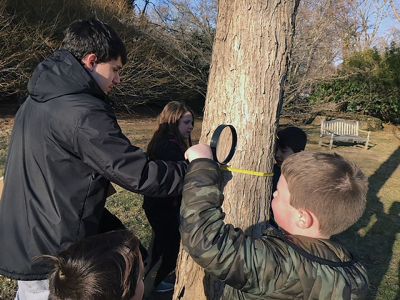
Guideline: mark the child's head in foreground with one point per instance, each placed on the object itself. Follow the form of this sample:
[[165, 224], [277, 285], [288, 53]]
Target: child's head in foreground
[[104, 266], [290, 140], [319, 194]]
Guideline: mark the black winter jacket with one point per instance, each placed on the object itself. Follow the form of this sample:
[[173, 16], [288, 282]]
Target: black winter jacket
[[65, 148], [168, 149]]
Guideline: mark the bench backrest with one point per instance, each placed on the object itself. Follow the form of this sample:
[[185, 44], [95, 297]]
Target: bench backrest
[[339, 127]]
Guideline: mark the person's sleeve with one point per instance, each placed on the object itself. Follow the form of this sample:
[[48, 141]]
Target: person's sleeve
[[99, 143], [169, 151], [251, 265]]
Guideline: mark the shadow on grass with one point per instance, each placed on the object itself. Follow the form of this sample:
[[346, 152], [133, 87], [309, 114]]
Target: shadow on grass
[[373, 237]]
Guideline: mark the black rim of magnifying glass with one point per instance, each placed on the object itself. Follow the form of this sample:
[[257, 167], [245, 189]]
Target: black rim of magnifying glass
[[214, 142]]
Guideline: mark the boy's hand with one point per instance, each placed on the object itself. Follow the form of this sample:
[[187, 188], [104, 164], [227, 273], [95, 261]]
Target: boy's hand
[[198, 151]]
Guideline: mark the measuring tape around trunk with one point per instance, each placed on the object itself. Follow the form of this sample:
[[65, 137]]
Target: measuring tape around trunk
[[215, 139]]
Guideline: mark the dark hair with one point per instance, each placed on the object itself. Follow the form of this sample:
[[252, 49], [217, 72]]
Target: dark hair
[[100, 267], [83, 37], [292, 137], [328, 185], [168, 122]]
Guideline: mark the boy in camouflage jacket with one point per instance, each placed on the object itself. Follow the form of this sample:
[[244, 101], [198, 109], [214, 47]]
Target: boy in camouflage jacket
[[318, 195]]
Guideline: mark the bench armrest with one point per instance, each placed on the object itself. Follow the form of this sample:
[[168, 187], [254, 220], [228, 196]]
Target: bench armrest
[[365, 131]]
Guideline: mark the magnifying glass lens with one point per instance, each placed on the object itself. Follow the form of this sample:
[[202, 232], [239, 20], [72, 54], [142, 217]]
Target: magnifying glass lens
[[223, 143]]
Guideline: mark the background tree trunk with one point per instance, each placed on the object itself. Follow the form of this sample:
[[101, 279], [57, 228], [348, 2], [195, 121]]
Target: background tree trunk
[[248, 71]]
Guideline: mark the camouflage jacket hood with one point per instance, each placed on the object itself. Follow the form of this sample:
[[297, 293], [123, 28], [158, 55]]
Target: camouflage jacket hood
[[274, 266]]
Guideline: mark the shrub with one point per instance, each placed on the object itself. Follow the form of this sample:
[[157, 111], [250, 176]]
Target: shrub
[[369, 82], [163, 64]]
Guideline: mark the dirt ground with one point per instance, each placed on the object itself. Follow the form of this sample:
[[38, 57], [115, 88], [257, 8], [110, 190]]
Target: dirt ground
[[375, 240]]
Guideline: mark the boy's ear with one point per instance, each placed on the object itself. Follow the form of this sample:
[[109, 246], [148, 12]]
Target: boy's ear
[[305, 219], [89, 61]]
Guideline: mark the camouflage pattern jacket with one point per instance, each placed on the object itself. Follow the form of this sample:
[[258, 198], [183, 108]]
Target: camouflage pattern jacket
[[274, 266]]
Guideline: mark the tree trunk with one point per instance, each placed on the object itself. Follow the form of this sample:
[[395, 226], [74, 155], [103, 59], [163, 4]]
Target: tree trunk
[[248, 71]]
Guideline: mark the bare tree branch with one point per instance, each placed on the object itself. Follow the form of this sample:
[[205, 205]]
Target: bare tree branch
[[395, 10]]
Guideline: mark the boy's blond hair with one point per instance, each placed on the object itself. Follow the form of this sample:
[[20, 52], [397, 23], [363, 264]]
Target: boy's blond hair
[[331, 187]]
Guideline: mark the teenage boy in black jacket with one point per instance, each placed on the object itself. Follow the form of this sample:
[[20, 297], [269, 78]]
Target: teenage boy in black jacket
[[65, 149]]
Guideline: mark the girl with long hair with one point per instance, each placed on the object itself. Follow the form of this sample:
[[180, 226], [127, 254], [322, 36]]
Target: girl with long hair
[[169, 143]]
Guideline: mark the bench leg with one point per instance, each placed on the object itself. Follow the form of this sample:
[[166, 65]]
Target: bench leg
[[331, 142], [367, 141]]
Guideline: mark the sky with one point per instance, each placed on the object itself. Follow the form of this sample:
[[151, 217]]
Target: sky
[[385, 28], [387, 24]]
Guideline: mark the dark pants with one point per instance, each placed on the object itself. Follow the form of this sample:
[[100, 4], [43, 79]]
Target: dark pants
[[165, 224], [109, 222]]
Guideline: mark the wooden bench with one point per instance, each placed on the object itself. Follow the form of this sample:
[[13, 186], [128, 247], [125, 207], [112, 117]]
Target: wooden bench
[[346, 131]]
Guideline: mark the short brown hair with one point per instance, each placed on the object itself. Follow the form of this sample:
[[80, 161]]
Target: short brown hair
[[328, 185], [104, 266], [83, 37]]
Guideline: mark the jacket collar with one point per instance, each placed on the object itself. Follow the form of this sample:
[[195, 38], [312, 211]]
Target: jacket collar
[[323, 251]]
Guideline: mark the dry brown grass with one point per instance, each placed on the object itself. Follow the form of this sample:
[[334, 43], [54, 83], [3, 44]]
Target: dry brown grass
[[375, 239]]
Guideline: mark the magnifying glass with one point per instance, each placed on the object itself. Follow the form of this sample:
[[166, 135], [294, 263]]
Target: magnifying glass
[[223, 143]]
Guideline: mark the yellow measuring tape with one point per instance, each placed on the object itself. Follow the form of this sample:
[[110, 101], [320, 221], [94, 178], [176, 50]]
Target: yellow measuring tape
[[248, 172]]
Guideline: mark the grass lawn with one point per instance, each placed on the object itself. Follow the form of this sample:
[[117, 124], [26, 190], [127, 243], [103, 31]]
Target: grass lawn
[[375, 240]]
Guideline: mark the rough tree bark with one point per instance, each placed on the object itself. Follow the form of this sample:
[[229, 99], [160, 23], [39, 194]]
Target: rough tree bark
[[248, 70]]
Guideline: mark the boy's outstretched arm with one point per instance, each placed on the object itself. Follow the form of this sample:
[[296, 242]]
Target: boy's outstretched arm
[[222, 250]]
